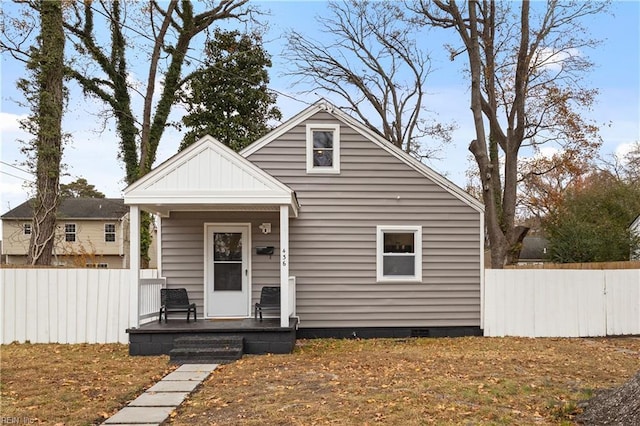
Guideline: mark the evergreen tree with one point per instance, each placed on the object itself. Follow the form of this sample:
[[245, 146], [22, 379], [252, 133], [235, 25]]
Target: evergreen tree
[[227, 97]]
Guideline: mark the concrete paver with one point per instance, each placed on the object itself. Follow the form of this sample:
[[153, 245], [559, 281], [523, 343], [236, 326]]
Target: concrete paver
[[174, 386], [150, 415], [187, 375], [159, 399]]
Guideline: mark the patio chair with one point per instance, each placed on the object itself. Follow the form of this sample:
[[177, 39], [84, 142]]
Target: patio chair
[[176, 300], [269, 300]]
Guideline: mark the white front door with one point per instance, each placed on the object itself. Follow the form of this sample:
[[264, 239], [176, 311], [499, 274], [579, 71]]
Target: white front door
[[227, 270]]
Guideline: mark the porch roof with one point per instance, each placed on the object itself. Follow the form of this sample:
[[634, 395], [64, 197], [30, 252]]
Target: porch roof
[[209, 176]]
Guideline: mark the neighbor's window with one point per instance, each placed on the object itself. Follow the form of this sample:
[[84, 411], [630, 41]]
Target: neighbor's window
[[26, 229], [109, 232], [323, 148], [70, 232], [399, 254]]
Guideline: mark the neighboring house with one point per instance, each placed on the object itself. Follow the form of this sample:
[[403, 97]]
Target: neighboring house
[[378, 243], [635, 230], [534, 251], [90, 232]]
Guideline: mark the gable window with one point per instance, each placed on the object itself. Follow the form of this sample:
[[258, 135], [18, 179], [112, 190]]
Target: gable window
[[26, 229], [323, 148], [70, 232], [399, 254], [109, 232]]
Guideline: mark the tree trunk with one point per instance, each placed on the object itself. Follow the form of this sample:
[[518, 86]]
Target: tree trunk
[[48, 64]]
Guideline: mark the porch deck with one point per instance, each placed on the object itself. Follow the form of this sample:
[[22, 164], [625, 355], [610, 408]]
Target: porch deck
[[260, 337]]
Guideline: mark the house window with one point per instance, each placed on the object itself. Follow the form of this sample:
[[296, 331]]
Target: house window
[[399, 254], [97, 265], [109, 232], [323, 148], [70, 232], [26, 229]]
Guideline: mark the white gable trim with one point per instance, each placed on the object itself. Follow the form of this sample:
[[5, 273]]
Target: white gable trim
[[421, 168], [173, 184]]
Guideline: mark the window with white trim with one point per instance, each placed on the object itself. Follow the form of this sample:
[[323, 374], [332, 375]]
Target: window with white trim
[[70, 232], [323, 148], [399, 253], [109, 232], [26, 229]]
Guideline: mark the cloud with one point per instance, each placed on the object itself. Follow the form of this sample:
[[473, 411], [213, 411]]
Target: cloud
[[622, 151], [11, 122], [549, 59]]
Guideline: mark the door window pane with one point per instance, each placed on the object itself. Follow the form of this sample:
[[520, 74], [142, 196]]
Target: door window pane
[[227, 246]]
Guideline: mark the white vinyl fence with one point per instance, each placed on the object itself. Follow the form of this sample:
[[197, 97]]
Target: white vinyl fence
[[93, 305], [561, 303], [66, 305]]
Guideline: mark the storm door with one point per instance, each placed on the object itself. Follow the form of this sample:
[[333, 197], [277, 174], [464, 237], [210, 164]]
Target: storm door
[[227, 271]]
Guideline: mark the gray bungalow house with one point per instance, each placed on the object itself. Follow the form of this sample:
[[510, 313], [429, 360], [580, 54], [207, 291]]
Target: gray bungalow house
[[361, 238]]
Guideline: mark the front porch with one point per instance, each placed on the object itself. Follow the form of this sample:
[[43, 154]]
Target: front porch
[[258, 337]]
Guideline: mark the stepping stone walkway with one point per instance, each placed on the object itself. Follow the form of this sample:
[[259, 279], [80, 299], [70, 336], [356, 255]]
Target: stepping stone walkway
[[155, 405]]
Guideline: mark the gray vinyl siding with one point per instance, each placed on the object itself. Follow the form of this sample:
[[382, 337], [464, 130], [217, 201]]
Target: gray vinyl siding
[[333, 241], [183, 250]]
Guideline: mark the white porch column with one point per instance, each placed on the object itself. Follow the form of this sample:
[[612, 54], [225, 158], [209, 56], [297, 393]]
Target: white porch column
[[285, 301], [134, 265]]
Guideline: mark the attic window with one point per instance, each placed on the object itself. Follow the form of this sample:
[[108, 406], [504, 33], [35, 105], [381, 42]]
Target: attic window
[[26, 229], [399, 254], [323, 148]]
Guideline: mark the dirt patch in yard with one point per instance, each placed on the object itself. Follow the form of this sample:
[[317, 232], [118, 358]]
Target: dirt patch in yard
[[414, 381], [616, 406]]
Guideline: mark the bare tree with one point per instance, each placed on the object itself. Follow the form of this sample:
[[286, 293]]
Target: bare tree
[[526, 71], [374, 63], [164, 31]]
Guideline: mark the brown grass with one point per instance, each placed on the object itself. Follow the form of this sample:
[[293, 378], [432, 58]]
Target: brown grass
[[384, 381], [72, 384], [414, 382]]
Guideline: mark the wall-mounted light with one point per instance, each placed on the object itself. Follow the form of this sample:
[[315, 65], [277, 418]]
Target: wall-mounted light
[[265, 228]]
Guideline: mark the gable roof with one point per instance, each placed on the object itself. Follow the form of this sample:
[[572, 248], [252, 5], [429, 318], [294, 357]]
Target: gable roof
[[534, 248], [208, 173], [323, 105], [76, 208]]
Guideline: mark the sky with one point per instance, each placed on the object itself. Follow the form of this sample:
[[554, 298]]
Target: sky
[[93, 151]]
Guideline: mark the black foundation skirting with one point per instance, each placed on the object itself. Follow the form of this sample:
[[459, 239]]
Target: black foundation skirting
[[384, 332]]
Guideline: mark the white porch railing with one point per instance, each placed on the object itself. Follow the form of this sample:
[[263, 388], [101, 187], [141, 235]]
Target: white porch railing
[[149, 298]]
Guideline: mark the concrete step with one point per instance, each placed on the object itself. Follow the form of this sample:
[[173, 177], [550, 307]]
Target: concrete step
[[208, 341], [206, 349]]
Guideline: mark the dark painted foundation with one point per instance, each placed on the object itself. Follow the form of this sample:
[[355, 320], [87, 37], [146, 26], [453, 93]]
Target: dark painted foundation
[[260, 337], [390, 332]]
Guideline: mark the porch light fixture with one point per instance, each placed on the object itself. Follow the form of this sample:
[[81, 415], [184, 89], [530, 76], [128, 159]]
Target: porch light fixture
[[265, 228]]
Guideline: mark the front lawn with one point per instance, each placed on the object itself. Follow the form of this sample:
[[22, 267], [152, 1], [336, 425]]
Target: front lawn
[[414, 382], [72, 384], [384, 381]]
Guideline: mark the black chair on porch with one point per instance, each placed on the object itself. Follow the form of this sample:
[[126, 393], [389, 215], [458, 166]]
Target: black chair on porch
[[269, 300], [176, 300]]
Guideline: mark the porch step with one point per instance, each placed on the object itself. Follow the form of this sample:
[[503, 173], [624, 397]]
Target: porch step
[[206, 349]]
